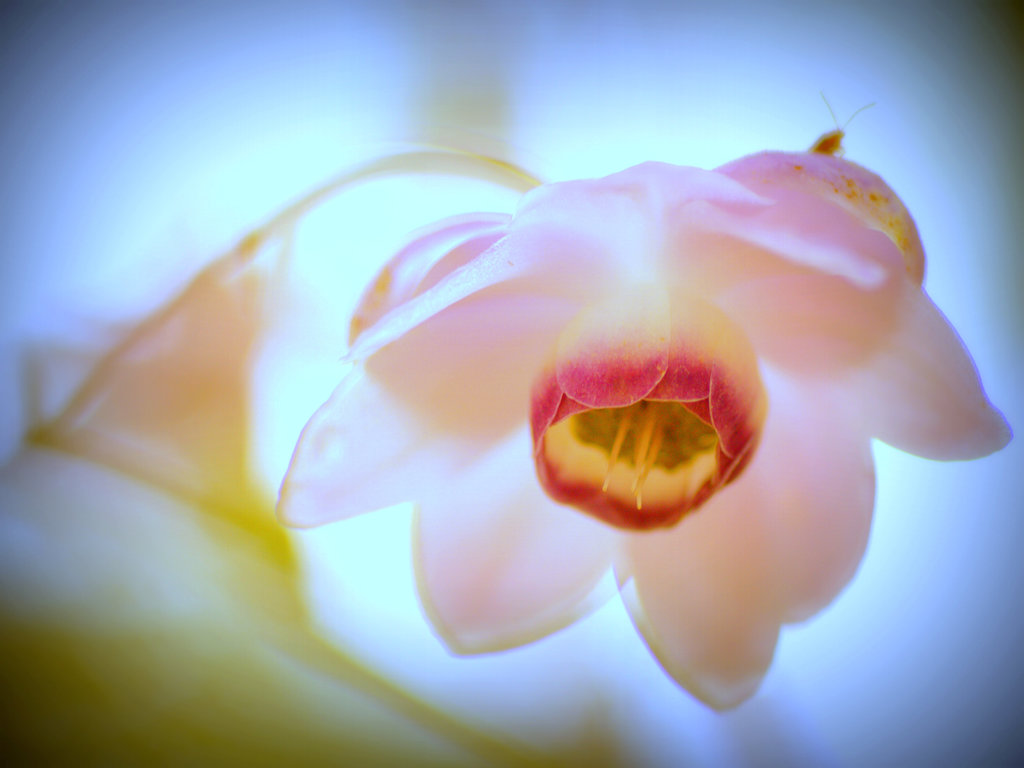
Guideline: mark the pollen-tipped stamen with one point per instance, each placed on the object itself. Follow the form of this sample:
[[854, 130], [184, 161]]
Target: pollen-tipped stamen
[[637, 465], [640, 457], [620, 437], [648, 463]]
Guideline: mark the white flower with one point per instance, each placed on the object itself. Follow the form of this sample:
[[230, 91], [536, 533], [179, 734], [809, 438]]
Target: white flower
[[671, 371]]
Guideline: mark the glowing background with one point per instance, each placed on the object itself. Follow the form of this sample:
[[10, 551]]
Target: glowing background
[[139, 142]]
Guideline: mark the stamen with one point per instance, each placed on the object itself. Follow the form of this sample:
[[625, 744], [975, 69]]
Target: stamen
[[620, 437], [646, 433], [599, 447], [648, 463]]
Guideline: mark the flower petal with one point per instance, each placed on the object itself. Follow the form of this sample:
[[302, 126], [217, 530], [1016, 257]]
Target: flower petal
[[700, 597], [363, 450], [813, 324], [813, 482], [600, 207], [498, 563], [854, 188], [168, 403], [718, 248], [492, 265], [921, 393], [709, 357], [815, 290], [613, 226], [809, 232], [544, 253], [468, 369], [615, 351], [609, 356], [419, 408], [403, 275], [776, 545]]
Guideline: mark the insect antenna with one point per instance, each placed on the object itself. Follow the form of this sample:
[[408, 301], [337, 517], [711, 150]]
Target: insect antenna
[[831, 143]]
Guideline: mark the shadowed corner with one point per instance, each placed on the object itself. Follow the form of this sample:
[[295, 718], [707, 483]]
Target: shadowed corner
[[1008, 27]]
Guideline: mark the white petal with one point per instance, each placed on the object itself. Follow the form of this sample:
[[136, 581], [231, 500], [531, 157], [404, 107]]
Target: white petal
[[813, 481], [421, 407], [402, 277], [701, 598], [921, 393], [493, 265], [813, 324], [361, 451], [612, 228], [615, 351], [808, 232], [168, 402], [835, 180], [514, 265], [499, 564], [776, 545], [468, 370], [815, 290]]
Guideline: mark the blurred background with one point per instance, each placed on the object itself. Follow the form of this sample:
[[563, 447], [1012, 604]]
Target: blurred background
[[140, 141]]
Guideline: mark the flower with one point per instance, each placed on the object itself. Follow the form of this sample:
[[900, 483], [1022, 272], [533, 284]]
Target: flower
[[702, 358]]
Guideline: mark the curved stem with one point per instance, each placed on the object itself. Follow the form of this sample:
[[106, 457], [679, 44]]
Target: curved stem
[[434, 161]]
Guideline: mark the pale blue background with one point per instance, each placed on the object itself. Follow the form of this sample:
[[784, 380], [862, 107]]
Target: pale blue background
[[140, 139]]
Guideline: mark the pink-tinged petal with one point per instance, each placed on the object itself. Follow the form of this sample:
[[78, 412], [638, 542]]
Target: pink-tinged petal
[[679, 185], [814, 289], [420, 407], [498, 563], [699, 334], [848, 185], [813, 233], [572, 240], [547, 403], [777, 545], [710, 358], [701, 597], [510, 266], [491, 266], [402, 277], [814, 325], [613, 226], [468, 370], [601, 236], [813, 483], [168, 403], [602, 206], [361, 451], [615, 351], [634, 456], [921, 393], [718, 249]]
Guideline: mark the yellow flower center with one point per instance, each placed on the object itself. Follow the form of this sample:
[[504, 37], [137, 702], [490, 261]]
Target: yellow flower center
[[651, 449]]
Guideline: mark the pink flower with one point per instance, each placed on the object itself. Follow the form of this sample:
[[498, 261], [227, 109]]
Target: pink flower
[[672, 372]]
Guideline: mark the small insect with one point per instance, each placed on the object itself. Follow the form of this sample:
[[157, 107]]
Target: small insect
[[831, 143]]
